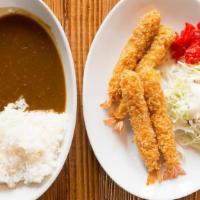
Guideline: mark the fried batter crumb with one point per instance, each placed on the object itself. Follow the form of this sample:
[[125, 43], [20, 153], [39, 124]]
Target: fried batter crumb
[[144, 136], [161, 122], [138, 43]]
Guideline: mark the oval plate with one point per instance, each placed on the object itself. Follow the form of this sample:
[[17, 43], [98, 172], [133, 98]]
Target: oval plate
[[116, 153], [41, 10]]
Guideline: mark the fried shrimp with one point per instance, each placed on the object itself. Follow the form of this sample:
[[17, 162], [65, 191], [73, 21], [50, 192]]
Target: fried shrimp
[[138, 43], [153, 58], [144, 136], [158, 50], [161, 122]]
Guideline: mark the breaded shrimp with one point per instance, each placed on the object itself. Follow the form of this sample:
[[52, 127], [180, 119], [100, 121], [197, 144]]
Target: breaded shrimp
[[159, 48], [153, 58], [161, 122], [138, 43], [144, 136]]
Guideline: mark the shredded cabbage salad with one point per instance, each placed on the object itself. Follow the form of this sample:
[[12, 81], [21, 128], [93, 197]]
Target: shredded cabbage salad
[[181, 85]]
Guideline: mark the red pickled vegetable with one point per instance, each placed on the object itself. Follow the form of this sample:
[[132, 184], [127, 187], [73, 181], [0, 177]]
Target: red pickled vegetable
[[177, 48], [187, 32], [196, 35], [192, 54], [198, 25], [187, 44]]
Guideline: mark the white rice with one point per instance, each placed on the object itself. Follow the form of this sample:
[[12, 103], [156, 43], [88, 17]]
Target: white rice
[[30, 143]]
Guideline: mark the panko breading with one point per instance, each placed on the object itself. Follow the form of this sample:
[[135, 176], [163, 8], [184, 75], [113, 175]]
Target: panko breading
[[159, 48], [153, 58], [144, 136], [138, 43], [161, 122]]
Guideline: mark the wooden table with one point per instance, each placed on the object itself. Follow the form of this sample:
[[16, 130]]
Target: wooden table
[[82, 178]]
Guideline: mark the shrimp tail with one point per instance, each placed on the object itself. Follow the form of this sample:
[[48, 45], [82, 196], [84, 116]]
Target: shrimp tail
[[117, 125], [171, 172], [107, 104], [152, 177]]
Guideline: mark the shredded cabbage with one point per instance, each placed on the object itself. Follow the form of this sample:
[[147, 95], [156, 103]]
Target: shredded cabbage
[[183, 101]]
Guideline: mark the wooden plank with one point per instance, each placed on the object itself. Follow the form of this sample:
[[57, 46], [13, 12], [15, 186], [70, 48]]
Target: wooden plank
[[82, 178]]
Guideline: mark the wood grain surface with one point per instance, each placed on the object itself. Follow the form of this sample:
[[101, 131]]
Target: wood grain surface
[[82, 178]]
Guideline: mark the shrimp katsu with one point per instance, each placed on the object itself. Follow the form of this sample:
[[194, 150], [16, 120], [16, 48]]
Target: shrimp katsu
[[161, 123], [144, 136], [153, 58], [138, 43], [158, 50], [135, 93]]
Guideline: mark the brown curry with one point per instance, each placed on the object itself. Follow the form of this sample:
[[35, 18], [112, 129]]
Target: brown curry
[[30, 65]]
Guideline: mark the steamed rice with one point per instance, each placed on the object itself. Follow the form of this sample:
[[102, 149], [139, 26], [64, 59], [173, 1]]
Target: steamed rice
[[30, 143]]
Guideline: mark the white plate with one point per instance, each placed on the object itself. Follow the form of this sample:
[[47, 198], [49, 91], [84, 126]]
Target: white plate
[[116, 153], [40, 9]]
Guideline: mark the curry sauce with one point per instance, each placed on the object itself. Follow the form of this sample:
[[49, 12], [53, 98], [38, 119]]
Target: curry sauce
[[30, 65]]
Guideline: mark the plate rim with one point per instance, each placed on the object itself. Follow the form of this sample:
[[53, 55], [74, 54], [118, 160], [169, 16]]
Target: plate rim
[[73, 114]]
